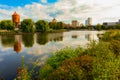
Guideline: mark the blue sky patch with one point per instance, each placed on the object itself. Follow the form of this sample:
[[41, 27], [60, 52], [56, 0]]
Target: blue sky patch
[[16, 3]]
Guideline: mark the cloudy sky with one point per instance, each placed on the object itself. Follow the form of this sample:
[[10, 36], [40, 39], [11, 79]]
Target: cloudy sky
[[63, 10]]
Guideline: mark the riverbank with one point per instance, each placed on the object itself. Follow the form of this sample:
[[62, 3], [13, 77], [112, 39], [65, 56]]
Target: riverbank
[[8, 32], [5, 32], [98, 61]]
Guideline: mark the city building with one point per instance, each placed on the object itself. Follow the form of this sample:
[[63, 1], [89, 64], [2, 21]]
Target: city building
[[16, 19], [110, 23], [88, 22], [75, 23]]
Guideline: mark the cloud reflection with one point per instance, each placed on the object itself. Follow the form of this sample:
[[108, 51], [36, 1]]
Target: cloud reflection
[[1, 59]]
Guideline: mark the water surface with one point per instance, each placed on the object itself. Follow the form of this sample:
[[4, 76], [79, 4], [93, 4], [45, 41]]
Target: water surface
[[37, 46]]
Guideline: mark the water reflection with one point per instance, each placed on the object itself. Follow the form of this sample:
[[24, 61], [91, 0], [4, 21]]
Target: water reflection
[[74, 36], [28, 40], [89, 37], [7, 40], [56, 37], [42, 39], [17, 44], [46, 43], [17, 47]]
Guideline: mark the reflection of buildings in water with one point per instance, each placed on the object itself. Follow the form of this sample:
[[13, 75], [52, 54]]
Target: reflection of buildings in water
[[18, 38], [55, 37], [89, 37], [17, 47]]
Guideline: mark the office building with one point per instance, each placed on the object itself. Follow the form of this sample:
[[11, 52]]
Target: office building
[[88, 22], [75, 23]]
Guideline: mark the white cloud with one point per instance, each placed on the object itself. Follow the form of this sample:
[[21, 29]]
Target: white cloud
[[44, 1], [67, 10]]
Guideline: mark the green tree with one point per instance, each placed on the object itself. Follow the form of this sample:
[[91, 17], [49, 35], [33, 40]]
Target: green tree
[[27, 25], [56, 25], [42, 25], [6, 25], [60, 25], [98, 26], [83, 27], [117, 26]]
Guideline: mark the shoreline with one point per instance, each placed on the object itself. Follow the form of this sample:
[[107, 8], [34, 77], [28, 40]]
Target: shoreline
[[52, 31]]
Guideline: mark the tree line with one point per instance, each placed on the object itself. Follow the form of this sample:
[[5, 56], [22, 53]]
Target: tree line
[[105, 27], [28, 25]]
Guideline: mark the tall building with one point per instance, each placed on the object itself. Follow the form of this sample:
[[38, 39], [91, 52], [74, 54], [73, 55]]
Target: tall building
[[88, 22], [16, 19], [75, 23]]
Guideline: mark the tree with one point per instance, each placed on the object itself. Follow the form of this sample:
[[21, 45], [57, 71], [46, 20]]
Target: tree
[[6, 25], [60, 25], [27, 25], [83, 27], [117, 26], [98, 26], [42, 25]]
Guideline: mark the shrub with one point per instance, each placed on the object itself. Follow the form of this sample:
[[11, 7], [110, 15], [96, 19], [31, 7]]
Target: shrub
[[74, 69]]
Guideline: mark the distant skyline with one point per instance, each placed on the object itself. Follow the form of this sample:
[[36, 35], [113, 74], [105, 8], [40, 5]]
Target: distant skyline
[[63, 10]]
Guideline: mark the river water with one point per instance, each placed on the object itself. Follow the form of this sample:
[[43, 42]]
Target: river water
[[37, 46]]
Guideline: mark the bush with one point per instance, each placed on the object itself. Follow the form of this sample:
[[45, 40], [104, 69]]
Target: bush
[[56, 60], [74, 69], [111, 35]]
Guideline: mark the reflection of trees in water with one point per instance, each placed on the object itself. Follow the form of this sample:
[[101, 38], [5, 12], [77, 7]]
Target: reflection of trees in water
[[17, 46], [56, 36], [42, 38], [74, 36], [7, 40], [28, 40]]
